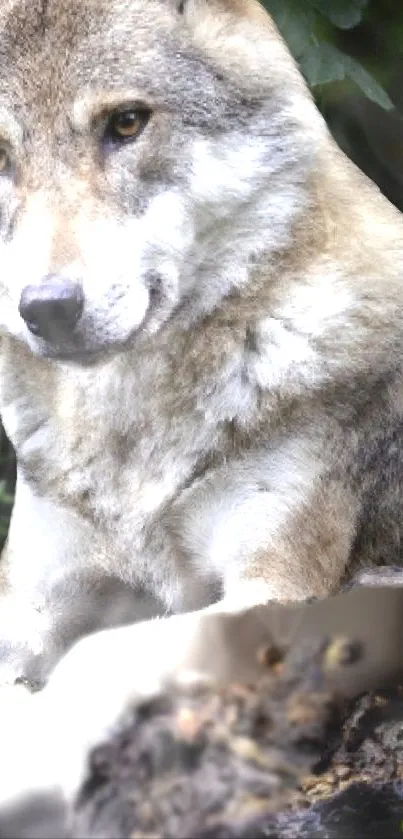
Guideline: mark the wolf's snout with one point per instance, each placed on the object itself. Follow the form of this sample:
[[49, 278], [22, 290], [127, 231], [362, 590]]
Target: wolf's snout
[[53, 307]]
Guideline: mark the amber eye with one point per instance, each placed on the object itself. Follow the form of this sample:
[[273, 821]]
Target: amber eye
[[124, 126], [4, 161]]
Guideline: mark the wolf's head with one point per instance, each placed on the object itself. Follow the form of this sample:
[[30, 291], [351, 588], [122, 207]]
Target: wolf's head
[[150, 151]]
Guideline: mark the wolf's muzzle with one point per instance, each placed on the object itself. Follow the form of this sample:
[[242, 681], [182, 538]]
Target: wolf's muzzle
[[52, 308]]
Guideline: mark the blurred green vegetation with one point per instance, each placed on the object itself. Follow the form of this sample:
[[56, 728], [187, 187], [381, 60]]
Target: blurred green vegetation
[[351, 53], [318, 33]]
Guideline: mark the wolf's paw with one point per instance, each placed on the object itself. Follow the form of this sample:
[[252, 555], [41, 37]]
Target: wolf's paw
[[21, 665], [27, 650]]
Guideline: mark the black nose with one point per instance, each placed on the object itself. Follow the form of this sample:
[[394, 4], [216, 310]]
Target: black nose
[[53, 307]]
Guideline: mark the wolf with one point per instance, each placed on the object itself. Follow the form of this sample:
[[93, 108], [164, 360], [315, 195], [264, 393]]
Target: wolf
[[201, 314]]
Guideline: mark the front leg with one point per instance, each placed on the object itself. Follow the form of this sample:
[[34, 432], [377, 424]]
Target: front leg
[[53, 589], [275, 526]]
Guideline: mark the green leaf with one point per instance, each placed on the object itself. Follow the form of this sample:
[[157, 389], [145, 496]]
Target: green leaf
[[322, 63], [358, 74], [345, 14], [296, 21]]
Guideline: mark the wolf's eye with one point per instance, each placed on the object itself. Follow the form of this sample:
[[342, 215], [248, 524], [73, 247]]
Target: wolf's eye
[[4, 162], [124, 126]]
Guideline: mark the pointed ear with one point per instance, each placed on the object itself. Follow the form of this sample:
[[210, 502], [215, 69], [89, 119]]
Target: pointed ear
[[240, 37]]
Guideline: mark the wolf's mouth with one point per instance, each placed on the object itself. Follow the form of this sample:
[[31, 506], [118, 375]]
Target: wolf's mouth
[[82, 348], [78, 354]]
